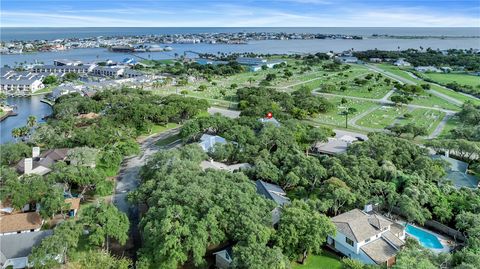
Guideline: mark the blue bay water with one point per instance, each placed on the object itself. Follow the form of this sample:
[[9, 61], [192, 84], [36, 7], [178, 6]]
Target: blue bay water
[[32, 106], [46, 33]]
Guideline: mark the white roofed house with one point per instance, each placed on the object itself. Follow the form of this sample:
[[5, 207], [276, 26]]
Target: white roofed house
[[402, 62], [107, 71], [275, 193], [20, 83], [370, 238]]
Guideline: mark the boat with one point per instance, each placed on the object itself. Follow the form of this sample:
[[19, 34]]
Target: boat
[[168, 48], [154, 48]]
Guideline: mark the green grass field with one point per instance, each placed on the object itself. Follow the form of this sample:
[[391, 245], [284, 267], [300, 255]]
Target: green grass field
[[326, 260], [452, 123], [434, 101], [386, 116], [460, 78], [382, 117], [440, 77], [454, 94], [424, 117], [334, 117]]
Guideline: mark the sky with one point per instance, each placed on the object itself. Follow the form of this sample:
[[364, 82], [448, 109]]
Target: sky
[[240, 13]]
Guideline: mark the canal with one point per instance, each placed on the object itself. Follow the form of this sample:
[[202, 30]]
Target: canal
[[26, 106]]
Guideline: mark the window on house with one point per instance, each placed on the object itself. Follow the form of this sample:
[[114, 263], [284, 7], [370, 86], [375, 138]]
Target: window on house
[[349, 241]]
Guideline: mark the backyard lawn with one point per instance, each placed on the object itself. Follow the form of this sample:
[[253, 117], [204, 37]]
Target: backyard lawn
[[326, 260]]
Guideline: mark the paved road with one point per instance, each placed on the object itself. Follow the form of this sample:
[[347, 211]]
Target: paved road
[[353, 121], [407, 81], [384, 102], [127, 179], [225, 112], [440, 126]]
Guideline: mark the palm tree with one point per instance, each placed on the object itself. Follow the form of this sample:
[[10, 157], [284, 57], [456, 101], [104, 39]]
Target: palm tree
[[31, 121], [347, 112], [16, 133]]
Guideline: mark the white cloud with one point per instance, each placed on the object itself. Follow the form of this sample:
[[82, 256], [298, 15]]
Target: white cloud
[[230, 15]]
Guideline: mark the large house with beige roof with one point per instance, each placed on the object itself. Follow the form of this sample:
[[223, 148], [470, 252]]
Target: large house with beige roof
[[370, 238], [20, 223]]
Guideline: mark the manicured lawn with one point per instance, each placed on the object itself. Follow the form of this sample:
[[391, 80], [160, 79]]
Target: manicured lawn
[[454, 94], [430, 100], [396, 71], [382, 117], [334, 117], [424, 117], [460, 78], [451, 124], [326, 260]]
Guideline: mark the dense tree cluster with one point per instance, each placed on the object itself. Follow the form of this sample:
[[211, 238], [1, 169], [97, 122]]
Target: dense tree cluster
[[102, 221], [455, 58], [191, 209], [254, 101]]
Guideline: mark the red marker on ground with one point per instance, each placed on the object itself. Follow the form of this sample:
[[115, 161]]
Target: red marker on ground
[[269, 115]]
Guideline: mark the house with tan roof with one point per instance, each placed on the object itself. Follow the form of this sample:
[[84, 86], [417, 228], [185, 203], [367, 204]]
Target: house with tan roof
[[74, 206], [20, 223], [368, 237]]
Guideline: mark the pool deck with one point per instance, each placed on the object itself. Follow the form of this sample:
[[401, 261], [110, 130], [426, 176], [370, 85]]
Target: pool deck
[[445, 241]]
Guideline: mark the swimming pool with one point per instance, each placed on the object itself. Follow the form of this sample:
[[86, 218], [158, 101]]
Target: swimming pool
[[425, 238]]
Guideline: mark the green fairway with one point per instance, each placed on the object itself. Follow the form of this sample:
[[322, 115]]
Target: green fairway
[[326, 260]]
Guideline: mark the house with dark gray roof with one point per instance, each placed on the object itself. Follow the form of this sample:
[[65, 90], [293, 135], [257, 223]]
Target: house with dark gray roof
[[41, 164], [370, 238], [457, 173], [15, 248], [275, 193]]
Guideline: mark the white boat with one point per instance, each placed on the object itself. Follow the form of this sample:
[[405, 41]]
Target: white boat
[[168, 48], [154, 48]]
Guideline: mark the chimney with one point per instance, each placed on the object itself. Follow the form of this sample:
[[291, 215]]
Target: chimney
[[368, 208], [28, 166], [35, 152]]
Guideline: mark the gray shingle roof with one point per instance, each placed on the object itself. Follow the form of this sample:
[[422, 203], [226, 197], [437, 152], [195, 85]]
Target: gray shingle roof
[[393, 239], [20, 245], [379, 250], [272, 192], [357, 225]]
